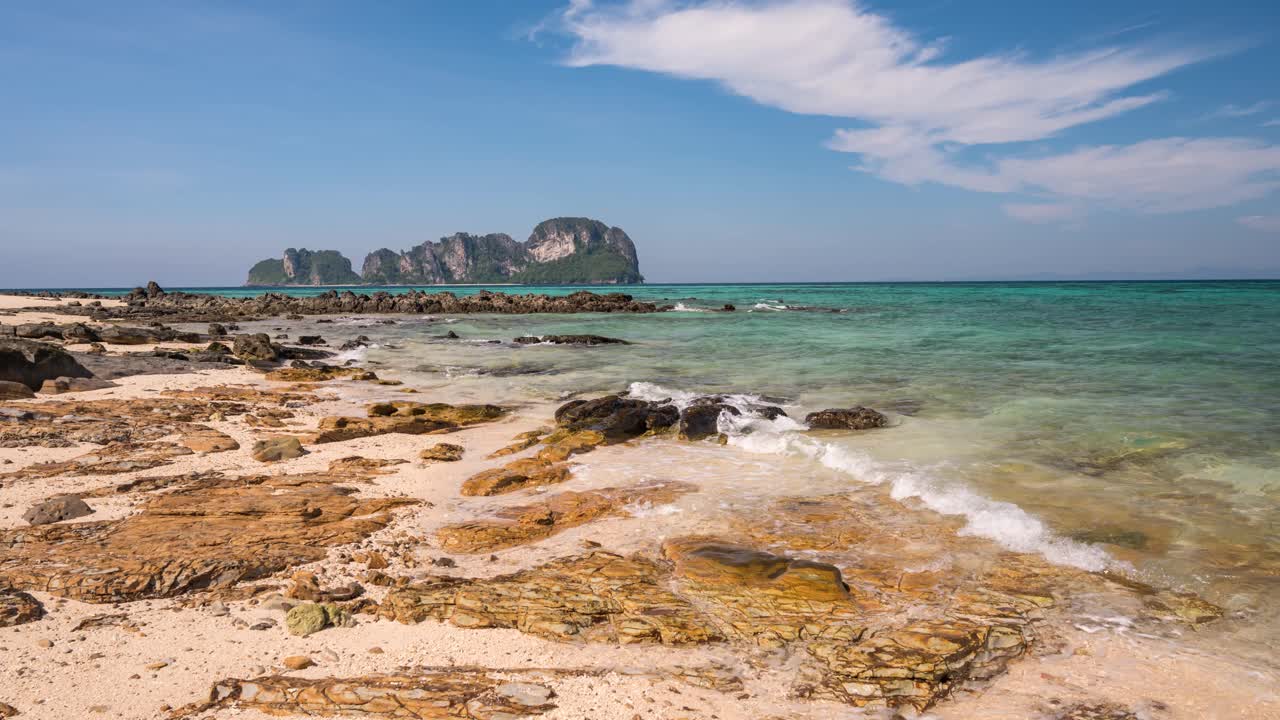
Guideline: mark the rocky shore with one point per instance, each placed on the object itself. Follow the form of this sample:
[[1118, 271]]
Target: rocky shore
[[268, 535], [152, 303]]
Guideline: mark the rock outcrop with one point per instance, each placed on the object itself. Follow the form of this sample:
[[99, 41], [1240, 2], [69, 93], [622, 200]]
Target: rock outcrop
[[304, 267], [30, 363], [212, 534]]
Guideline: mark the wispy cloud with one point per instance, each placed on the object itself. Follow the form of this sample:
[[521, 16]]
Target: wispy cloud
[[1239, 111], [1042, 212], [1263, 223], [1272, 123], [922, 115]]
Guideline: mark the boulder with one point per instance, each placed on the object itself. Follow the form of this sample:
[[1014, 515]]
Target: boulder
[[256, 347], [79, 333], [442, 452], [15, 391], [310, 618], [57, 509], [18, 608], [616, 417], [38, 331], [277, 449], [854, 418], [702, 420], [311, 340], [121, 335], [31, 363], [217, 330], [58, 386]]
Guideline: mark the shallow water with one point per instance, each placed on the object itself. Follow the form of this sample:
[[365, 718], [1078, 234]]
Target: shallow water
[[1130, 426]]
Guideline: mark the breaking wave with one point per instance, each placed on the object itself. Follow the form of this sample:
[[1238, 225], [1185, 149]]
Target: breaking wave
[[1002, 522]]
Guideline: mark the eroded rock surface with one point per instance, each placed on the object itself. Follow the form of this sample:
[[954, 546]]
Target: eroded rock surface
[[530, 523], [213, 535], [854, 418], [451, 693], [18, 608], [407, 418]]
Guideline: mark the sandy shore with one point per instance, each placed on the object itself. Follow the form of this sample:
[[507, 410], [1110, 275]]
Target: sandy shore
[[148, 657]]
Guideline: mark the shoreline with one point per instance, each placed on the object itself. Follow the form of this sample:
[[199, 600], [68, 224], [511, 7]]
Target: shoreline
[[204, 637]]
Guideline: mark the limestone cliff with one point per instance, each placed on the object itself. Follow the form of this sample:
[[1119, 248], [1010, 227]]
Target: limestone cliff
[[559, 251], [304, 267]]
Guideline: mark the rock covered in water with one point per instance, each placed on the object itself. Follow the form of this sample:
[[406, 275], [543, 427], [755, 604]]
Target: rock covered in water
[[616, 417], [589, 340], [854, 418]]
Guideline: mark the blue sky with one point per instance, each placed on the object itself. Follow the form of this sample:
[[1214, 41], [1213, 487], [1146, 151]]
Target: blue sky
[[756, 140]]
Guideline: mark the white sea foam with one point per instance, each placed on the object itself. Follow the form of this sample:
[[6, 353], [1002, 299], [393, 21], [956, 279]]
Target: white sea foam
[[681, 307], [1003, 522], [767, 306]]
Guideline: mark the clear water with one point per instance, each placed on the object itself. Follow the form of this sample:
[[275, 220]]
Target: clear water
[[1132, 425]]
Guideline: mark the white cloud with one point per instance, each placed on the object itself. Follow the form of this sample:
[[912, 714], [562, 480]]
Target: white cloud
[[1272, 123], [1263, 223], [921, 112]]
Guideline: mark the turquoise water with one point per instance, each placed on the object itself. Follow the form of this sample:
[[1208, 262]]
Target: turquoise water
[[1116, 424]]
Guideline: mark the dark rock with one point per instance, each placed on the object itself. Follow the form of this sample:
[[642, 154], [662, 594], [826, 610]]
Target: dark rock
[[570, 340], [38, 331], [217, 330], [311, 340], [854, 418], [31, 363], [63, 507], [97, 349], [451, 335], [701, 420], [256, 347], [616, 417], [79, 333], [61, 385], [15, 391], [728, 308], [119, 335]]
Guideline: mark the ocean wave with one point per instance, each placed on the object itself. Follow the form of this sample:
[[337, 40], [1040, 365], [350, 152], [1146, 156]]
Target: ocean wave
[[681, 307], [1002, 522]]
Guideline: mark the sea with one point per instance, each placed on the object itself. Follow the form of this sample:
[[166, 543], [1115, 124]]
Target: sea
[[1129, 427]]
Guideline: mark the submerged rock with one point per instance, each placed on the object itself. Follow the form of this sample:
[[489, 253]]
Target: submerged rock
[[569, 340], [854, 418], [617, 418]]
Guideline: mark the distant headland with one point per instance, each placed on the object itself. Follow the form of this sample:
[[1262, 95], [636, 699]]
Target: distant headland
[[560, 251]]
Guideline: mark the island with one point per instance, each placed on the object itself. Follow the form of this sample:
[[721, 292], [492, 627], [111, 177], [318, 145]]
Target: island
[[560, 251]]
